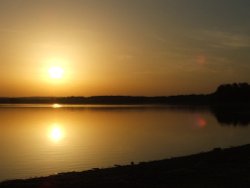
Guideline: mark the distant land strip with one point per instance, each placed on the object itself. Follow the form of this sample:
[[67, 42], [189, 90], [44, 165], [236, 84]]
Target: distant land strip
[[237, 93]]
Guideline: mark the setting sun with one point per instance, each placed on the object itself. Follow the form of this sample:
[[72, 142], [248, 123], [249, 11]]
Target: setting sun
[[56, 72]]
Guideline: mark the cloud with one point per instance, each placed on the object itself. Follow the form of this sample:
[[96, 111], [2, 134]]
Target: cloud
[[221, 39]]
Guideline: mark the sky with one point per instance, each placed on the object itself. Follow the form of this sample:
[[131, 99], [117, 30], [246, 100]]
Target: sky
[[122, 47]]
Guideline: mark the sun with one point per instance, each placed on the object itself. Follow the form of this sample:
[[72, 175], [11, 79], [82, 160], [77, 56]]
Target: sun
[[56, 72]]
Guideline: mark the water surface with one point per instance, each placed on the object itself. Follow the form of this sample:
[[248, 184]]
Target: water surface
[[39, 140]]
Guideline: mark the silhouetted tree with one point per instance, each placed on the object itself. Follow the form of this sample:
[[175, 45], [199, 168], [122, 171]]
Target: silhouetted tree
[[232, 93]]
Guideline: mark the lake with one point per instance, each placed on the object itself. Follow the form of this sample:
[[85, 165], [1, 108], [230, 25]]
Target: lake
[[40, 140]]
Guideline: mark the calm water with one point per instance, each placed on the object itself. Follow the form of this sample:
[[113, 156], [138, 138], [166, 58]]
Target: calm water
[[41, 140]]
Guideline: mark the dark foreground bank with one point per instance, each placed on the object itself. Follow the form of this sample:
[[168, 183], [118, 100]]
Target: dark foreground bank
[[217, 168]]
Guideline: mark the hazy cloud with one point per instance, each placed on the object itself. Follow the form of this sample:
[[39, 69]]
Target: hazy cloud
[[221, 39]]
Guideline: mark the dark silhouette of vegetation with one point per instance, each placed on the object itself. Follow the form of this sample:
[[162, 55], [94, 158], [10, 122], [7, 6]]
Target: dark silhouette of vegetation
[[230, 104], [187, 99], [232, 94], [225, 94]]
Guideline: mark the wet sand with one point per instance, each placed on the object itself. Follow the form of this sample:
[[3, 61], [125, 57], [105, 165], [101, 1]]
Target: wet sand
[[217, 168]]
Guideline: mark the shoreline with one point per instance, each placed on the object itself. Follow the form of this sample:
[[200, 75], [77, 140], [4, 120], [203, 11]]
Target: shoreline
[[228, 167]]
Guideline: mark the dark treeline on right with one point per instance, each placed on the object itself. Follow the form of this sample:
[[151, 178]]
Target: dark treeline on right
[[232, 93], [226, 94], [230, 104]]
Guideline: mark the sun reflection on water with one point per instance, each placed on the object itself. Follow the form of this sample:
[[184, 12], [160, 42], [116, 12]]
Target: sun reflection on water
[[56, 105], [56, 133]]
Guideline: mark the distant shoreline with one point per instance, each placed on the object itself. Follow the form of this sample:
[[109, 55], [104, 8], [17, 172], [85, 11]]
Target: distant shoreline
[[106, 100], [227, 94], [217, 168]]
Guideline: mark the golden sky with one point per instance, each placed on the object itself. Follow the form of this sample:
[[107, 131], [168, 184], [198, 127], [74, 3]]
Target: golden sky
[[122, 47]]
